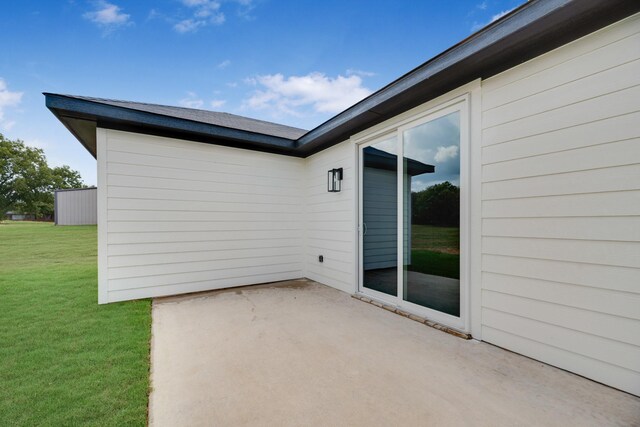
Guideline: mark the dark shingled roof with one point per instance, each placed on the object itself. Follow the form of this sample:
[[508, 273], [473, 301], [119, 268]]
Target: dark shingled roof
[[227, 120]]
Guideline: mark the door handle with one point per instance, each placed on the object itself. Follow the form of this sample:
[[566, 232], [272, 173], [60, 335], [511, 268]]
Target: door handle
[[364, 226]]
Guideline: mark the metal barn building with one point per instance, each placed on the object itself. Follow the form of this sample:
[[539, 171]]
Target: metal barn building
[[76, 206]]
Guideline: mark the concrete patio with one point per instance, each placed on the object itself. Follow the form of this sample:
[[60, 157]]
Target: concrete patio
[[300, 353]]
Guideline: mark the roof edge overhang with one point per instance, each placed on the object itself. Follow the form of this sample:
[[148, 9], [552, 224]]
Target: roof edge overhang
[[81, 116]]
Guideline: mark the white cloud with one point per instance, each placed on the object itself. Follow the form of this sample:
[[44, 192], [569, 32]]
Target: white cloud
[[224, 64], [8, 99], [477, 26], [194, 3], [188, 25], [245, 9], [204, 12], [217, 103], [500, 15], [482, 6], [218, 19], [292, 95], [445, 153], [153, 14], [191, 101], [361, 73], [107, 15]]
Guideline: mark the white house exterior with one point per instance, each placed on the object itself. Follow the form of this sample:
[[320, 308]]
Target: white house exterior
[[549, 206]]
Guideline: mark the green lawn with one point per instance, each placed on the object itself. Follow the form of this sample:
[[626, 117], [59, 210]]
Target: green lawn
[[65, 360], [435, 250], [436, 239], [435, 263]]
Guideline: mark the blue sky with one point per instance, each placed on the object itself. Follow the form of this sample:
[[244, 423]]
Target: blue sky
[[292, 62]]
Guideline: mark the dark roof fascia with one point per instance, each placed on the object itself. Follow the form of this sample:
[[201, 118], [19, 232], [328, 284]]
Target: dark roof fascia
[[534, 28], [121, 118]]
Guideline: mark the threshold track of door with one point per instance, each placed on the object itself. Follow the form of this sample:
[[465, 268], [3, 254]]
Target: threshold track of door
[[396, 310]]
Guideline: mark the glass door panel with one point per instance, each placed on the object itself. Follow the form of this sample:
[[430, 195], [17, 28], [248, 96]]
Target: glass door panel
[[380, 217], [431, 214]]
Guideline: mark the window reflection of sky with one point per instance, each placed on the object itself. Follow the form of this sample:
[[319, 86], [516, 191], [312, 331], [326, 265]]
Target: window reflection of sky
[[388, 145], [435, 143]]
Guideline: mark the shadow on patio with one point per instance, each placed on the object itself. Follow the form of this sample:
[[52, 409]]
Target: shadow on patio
[[300, 353]]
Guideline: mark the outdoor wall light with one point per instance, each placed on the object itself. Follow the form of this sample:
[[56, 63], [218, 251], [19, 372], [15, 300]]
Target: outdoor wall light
[[334, 180]]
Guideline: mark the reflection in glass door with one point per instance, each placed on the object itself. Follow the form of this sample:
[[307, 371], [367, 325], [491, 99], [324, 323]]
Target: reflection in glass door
[[431, 214], [380, 217], [410, 215]]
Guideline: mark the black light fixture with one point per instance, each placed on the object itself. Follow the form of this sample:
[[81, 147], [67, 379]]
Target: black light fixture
[[334, 180]]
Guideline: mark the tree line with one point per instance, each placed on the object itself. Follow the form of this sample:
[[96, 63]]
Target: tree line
[[27, 182], [437, 205]]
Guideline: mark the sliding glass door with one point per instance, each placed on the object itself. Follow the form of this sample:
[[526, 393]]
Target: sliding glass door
[[410, 210], [431, 214], [379, 167]]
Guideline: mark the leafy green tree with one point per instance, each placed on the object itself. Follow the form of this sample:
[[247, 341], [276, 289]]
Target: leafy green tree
[[437, 205], [65, 177], [26, 180]]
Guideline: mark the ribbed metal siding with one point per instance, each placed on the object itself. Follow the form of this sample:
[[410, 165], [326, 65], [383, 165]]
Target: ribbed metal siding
[[76, 207]]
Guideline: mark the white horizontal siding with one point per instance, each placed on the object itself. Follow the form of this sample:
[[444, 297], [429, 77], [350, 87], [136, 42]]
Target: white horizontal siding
[[200, 236], [614, 178], [572, 228], [604, 325], [330, 218], [184, 216], [175, 248], [600, 203], [191, 256], [581, 113], [561, 207], [247, 206], [199, 282], [602, 300], [612, 128], [544, 97], [598, 276]]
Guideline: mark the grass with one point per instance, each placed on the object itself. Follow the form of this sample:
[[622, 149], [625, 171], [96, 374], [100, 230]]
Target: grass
[[436, 239], [435, 250], [65, 360], [435, 263]]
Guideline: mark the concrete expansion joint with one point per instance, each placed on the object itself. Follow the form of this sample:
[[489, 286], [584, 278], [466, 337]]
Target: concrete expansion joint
[[413, 317]]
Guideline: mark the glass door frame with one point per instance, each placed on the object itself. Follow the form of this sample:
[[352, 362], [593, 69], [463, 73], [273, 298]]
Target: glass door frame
[[461, 105], [377, 295]]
